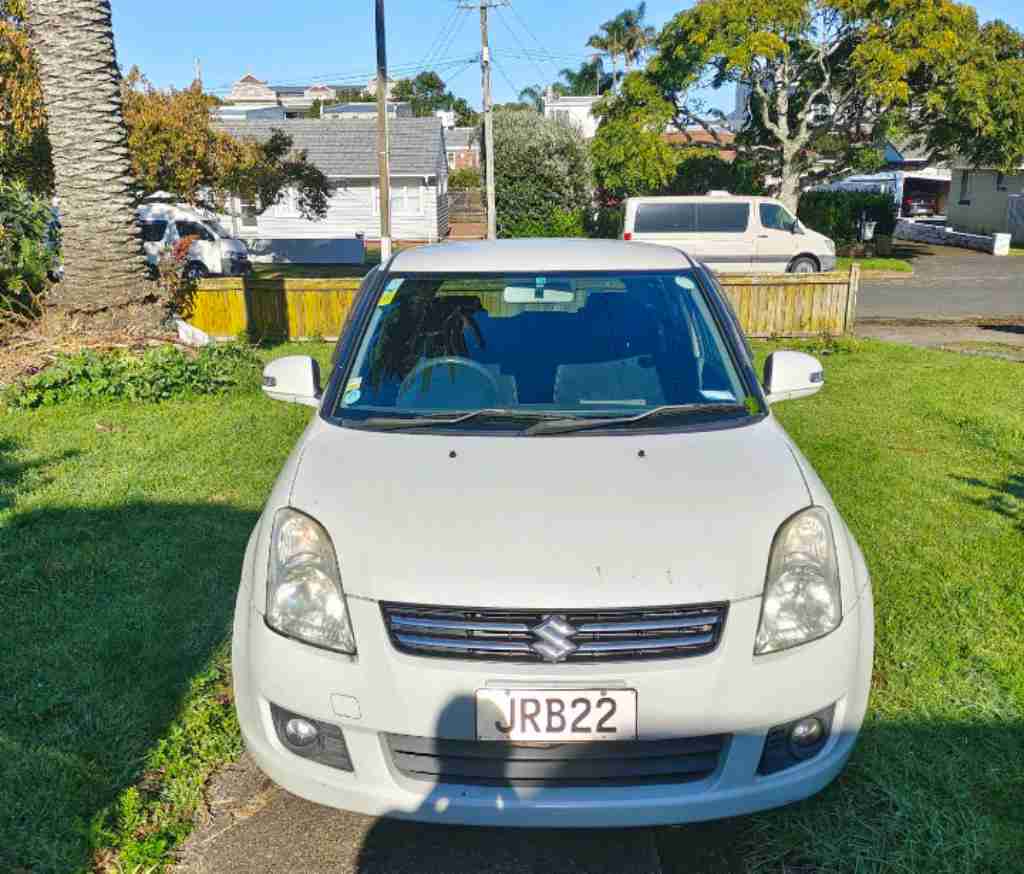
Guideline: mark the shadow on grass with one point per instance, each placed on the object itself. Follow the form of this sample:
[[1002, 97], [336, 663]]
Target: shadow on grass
[[15, 475], [1005, 497], [108, 614]]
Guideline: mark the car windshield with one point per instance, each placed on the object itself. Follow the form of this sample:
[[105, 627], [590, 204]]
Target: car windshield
[[512, 348]]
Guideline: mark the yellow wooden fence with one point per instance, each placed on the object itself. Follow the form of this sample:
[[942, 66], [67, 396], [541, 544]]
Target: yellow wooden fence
[[768, 305]]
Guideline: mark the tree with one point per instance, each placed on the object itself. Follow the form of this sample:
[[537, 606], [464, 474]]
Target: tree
[[24, 146], [636, 37], [175, 147], [611, 39], [630, 154], [590, 78], [826, 78], [977, 112], [533, 96], [465, 115], [543, 176], [105, 278]]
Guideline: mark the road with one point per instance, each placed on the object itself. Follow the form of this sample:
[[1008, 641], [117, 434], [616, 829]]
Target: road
[[948, 283]]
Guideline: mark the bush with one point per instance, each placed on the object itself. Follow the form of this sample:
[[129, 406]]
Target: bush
[[837, 214], [155, 375], [701, 170], [542, 176], [605, 222], [27, 247], [464, 179]]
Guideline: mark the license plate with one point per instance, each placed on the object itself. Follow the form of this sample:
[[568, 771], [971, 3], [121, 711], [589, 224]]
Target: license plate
[[556, 714]]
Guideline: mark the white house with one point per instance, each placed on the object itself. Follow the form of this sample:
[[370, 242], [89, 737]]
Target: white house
[[347, 154], [577, 111], [986, 201], [364, 111]]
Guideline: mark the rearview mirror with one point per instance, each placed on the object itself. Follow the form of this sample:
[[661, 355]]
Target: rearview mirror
[[295, 379], [789, 375]]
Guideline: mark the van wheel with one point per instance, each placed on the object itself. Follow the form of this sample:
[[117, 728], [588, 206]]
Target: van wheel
[[194, 271], [803, 264]]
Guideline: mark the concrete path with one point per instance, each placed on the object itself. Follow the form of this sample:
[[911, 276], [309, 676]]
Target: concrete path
[[254, 826], [948, 283]]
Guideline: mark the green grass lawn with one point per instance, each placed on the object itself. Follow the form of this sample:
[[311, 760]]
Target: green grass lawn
[[121, 535], [1016, 250], [893, 265]]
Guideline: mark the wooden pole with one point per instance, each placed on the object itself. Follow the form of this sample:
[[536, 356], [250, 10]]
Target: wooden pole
[[485, 75], [383, 147]]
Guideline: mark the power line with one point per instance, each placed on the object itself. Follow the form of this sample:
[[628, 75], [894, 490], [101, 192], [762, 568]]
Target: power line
[[441, 35], [508, 81], [515, 36]]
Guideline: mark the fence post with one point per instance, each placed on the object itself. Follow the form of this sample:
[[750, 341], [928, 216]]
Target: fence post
[[851, 298]]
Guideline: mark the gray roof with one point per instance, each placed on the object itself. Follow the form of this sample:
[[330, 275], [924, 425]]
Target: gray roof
[[516, 256], [350, 149], [461, 138]]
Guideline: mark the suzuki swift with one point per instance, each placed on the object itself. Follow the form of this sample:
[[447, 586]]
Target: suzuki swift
[[544, 556]]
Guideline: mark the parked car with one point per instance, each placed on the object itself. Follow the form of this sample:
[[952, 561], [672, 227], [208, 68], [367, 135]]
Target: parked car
[[214, 253], [919, 204], [730, 234], [545, 557]]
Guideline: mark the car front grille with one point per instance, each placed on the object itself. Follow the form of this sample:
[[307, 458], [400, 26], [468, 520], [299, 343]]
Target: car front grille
[[589, 636], [605, 763]]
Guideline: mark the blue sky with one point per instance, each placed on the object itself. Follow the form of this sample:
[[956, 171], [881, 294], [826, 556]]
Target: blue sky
[[317, 40]]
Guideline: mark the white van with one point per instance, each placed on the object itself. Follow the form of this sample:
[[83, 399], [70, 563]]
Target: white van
[[730, 234], [214, 253]]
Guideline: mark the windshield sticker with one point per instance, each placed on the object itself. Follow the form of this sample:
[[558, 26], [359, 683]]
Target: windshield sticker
[[351, 397], [390, 290], [354, 383]]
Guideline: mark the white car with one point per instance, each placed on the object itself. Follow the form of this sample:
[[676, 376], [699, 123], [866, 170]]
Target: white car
[[544, 556], [214, 252], [731, 234]]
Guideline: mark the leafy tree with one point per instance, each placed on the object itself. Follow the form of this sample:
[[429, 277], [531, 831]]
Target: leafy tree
[[465, 115], [24, 146], [976, 112], [26, 253], [701, 170], [105, 278], [824, 76], [533, 96], [464, 179], [629, 152], [611, 39], [542, 176], [590, 78], [637, 37], [175, 147]]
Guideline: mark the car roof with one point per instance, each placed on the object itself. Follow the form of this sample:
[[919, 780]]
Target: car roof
[[533, 255], [702, 198]]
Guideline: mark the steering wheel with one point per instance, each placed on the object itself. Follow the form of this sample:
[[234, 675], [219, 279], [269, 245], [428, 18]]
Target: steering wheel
[[452, 361]]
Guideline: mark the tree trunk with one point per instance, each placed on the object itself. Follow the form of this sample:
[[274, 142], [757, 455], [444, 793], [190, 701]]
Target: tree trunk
[[789, 184], [105, 284]]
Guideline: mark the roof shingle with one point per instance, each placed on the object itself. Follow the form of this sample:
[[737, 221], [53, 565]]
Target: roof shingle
[[349, 149]]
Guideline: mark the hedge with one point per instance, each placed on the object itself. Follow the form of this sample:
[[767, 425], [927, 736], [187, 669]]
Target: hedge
[[838, 214]]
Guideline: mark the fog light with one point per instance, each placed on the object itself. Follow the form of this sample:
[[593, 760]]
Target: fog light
[[805, 736], [300, 732]]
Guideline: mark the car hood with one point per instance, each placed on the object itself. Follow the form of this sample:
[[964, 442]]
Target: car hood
[[551, 522]]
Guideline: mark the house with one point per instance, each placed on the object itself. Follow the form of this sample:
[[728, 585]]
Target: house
[[247, 113], [347, 154], [695, 135], [576, 111], [986, 201], [363, 111], [371, 88], [250, 93], [463, 148]]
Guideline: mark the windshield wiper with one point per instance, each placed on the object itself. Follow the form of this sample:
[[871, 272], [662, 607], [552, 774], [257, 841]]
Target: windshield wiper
[[401, 423], [568, 425]]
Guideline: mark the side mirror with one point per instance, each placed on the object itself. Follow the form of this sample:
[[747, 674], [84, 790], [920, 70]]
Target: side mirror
[[789, 375], [295, 379], [797, 228]]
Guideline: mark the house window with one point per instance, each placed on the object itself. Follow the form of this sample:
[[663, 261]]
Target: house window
[[1001, 182], [405, 199], [965, 188]]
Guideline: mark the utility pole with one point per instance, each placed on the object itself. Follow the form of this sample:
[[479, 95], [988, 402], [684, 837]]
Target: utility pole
[[383, 147], [485, 83]]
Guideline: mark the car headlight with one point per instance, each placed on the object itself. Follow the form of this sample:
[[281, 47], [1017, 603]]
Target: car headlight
[[801, 594], [305, 599], [830, 245]]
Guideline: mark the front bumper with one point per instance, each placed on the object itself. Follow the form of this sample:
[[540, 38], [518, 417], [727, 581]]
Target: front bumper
[[381, 691], [828, 263]]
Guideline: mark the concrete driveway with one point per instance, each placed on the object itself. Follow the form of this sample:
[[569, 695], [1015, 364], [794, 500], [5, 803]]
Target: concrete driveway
[[948, 284]]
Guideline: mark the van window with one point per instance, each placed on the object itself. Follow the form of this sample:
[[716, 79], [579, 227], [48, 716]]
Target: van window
[[665, 218], [718, 218], [153, 232], [193, 229], [776, 217]]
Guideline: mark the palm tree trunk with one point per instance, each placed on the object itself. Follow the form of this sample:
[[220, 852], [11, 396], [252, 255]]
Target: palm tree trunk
[[105, 284]]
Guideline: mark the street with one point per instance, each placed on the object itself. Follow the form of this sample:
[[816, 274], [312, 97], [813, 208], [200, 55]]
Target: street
[[947, 284]]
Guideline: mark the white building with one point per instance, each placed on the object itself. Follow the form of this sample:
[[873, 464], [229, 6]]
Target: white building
[[347, 155], [364, 111], [576, 111]]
